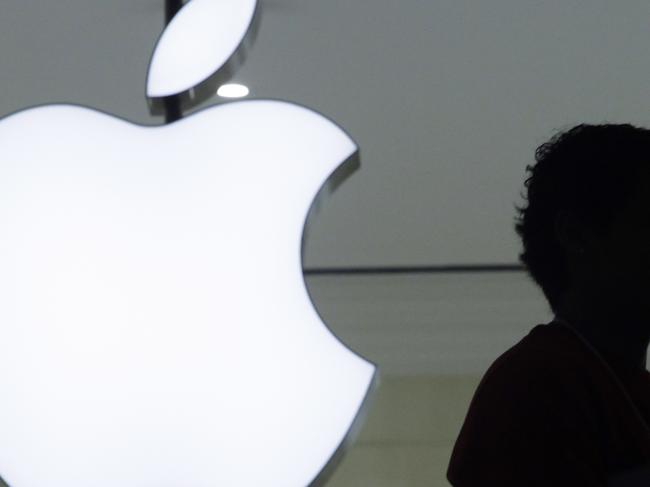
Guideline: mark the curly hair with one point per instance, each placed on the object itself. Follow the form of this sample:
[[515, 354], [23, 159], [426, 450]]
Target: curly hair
[[590, 171]]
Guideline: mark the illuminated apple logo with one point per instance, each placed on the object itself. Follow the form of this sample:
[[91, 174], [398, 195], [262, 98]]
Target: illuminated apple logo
[[155, 325]]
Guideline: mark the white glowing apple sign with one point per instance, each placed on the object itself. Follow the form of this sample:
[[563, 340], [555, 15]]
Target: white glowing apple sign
[[155, 326]]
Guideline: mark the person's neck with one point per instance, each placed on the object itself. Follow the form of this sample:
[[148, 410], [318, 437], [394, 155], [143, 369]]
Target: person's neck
[[617, 337]]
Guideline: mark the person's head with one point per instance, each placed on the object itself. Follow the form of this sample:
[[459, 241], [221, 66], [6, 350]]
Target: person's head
[[587, 222]]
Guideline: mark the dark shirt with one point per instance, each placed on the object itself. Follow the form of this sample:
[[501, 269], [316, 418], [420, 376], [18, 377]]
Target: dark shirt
[[548, 413]]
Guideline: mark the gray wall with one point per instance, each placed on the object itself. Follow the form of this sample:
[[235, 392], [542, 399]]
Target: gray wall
[[447, 99]]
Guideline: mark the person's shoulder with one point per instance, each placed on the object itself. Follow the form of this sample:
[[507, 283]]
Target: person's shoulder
[[540, 366], [528, 405]]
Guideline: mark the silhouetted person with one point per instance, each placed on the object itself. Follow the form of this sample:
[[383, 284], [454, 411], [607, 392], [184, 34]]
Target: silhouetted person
[[569, 404]]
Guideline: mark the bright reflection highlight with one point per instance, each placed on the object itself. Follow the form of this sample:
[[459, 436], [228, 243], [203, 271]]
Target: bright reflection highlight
[[233, 90]]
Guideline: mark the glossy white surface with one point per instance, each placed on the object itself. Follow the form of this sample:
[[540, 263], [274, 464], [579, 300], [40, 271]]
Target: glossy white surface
[[156, 327], [196, 43]]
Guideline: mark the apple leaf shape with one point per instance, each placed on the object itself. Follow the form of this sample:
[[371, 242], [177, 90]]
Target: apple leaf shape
[[199, 42], [155, 323]]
